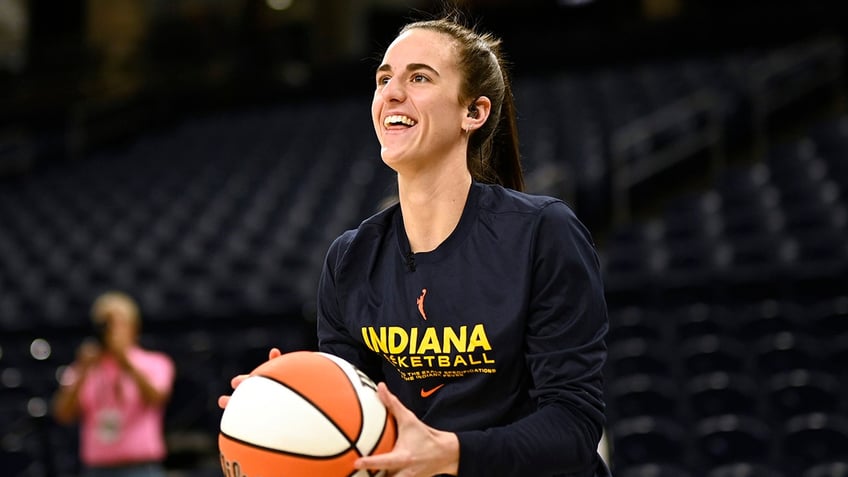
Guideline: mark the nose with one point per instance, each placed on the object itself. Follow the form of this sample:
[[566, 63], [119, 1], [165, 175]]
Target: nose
[[393, 91]]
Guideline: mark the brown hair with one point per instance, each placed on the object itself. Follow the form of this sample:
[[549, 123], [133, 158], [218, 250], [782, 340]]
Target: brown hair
[[493, 155]]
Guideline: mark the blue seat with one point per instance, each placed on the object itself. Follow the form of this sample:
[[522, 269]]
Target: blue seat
[[697, 319], [811, 439], [764, 318], [718, 393], [752, 266], [637, 356], [785, 351], [710, 353], [633, 322], [802, 391], [643, 395], [644, 440], [732, 438]]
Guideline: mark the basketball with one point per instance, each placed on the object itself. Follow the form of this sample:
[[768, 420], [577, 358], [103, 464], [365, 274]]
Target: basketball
[[303, 414]]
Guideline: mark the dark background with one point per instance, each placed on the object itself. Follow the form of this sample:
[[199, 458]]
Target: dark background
[[162, 60], [202, 155]]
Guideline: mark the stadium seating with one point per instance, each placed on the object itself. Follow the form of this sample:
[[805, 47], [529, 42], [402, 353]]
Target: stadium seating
[[720, 392], [648, 440], [729, 438], [757, 348], [728, 308]]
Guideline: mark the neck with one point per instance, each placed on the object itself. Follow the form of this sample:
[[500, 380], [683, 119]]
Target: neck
[[432, 205]]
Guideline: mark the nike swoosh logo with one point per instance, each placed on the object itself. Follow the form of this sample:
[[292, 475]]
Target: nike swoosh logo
[[425, 393]]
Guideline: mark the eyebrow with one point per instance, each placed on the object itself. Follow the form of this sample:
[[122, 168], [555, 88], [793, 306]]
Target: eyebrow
[[410, 67]]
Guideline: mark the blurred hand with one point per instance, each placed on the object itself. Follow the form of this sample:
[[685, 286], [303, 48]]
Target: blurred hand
[[419, 449], [223, 400], [88, 353]]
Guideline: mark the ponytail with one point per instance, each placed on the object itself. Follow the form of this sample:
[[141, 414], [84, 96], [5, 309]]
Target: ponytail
[[499, 154]]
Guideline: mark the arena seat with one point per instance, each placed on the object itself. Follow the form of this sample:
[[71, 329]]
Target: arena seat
[[643, 395], [633, 322], [757, 319], [637, 356], [730, 438], [696, 318], [718, 393], [785, 351], [802, 391], [710, 353], [647, 440], [810, 439]]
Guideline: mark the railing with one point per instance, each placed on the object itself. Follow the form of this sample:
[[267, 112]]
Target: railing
[[649, 145], [637, 155]]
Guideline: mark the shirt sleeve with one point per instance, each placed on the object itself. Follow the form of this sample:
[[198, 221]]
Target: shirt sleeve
[[333, 335], [162, 377], [565, 353]]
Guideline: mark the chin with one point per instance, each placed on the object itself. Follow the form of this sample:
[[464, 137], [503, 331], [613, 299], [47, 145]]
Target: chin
[[390, 157]]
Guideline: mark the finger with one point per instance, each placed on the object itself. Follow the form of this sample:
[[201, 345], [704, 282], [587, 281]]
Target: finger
[[388, 461], [223, 401], [238, 380], [392, 403], [274, 353]]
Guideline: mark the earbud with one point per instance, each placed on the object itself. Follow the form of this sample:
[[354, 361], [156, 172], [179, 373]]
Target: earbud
[[472, 111]]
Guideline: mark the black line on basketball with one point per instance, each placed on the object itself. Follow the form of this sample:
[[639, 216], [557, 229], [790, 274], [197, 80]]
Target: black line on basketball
[[383, 431], [351, 444], [283, 452], [359, 406]]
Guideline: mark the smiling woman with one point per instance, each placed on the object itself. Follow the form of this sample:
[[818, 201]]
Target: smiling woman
[[479, 306], [437, 74], [501, 373]]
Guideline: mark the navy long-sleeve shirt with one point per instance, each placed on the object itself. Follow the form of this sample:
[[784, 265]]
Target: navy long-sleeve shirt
[[496, 335]]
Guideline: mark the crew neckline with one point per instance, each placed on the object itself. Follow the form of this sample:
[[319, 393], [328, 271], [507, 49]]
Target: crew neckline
[[469, 213]]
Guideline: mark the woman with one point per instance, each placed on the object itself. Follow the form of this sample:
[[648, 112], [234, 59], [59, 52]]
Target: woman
[[118, 392], [480, 307]]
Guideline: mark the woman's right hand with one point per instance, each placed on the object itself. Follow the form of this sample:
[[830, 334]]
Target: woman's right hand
[[88, 353], [223, 400]]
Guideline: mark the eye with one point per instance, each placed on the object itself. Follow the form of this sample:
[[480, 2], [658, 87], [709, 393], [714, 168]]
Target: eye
[[383, 79], [419, 78]]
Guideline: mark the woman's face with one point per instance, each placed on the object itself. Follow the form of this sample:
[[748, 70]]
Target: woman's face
[[416, 109], [119, 324]]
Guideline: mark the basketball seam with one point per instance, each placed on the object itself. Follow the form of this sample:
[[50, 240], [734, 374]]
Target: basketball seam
[[351, 444], [382, 432], [283, 452], [359, 406]]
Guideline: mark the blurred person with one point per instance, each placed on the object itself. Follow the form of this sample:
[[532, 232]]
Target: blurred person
[[118, 392], [477, 307]]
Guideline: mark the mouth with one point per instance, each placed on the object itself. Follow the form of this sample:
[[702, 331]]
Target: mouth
[[398, 121]]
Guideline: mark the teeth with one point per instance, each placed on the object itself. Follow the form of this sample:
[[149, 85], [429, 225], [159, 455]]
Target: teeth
[[398, 119]]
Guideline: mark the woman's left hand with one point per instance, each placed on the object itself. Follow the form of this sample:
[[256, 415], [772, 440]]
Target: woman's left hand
[[419, 450]]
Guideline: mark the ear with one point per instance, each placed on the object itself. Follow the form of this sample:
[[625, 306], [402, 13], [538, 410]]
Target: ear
[[478, 113]]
